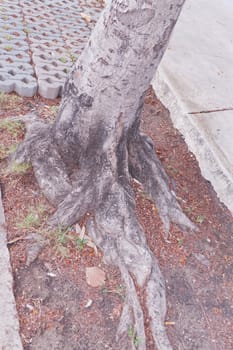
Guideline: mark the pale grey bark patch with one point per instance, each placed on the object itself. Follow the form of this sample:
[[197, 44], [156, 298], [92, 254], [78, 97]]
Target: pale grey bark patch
[[135, 18]]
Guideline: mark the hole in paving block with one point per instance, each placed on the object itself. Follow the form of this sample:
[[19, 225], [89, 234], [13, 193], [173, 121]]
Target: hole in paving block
[[2, 78], [43, 57], [59, 50], [49, 80], [54, 63], [46, 68], [9, 60], [19, 55], [21, 67], [58, 76], [39, 47], [25, 81], [11, 72]]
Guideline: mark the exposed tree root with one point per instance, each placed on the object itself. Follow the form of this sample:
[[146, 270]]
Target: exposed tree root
[[38, 149], [146, 168], [106, 192], [117, 232]]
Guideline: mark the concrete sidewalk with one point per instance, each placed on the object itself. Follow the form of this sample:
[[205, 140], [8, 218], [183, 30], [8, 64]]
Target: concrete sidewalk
[[195, 82]]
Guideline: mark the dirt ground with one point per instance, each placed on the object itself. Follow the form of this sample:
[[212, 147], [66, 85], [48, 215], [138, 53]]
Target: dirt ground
[[59, 310]]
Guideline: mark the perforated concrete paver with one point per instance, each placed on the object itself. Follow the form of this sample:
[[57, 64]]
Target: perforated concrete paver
[[40, 40]]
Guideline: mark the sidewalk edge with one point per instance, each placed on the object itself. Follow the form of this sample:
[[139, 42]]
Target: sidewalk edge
[[211, 166]]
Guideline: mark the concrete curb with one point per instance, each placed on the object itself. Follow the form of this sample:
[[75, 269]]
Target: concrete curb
[[210, 164], [195, 82], [9, 324]]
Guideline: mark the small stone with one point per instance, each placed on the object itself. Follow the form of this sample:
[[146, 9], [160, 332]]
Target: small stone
[[95, 277]]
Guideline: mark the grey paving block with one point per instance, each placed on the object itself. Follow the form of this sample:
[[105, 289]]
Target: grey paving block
[[49, 72], [54, 62], [15, 56], [49, 51], [15, 67], [6, 83], [25, 85], [12, 34], [46, 34], [11, 45], [49, 88], [54, 42]]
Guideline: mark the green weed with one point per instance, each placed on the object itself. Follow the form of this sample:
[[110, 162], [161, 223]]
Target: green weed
[[180, 241], [63, 60], [73, 58], [8, 48], [34, 218], [18, 169], [119, 290], [3, 153], [13, 127], [200, 219], [6, 151], [133, 335], [54, 109], [173, 170], [9, 101], [8, 37], [80, 243], [26, 30], [188, 210], [31, 220], [62, 235]]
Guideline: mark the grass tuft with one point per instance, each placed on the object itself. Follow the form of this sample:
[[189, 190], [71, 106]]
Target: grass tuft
[[9, 101]]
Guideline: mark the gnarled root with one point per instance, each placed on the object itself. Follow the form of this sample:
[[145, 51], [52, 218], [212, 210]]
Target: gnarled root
[[106, 192], [145, 166], [117, 232], [39, 150]]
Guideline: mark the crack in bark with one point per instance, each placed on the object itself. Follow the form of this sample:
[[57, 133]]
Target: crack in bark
[[213, 110]]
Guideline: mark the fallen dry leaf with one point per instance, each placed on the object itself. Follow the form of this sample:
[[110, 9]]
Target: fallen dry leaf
[[86, 18], [169, 323], [95, 277]]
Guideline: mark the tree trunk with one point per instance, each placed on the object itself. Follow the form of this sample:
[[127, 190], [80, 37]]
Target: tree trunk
[[86, 159]]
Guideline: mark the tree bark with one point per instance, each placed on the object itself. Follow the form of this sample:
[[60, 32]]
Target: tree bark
[[86, 159]]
